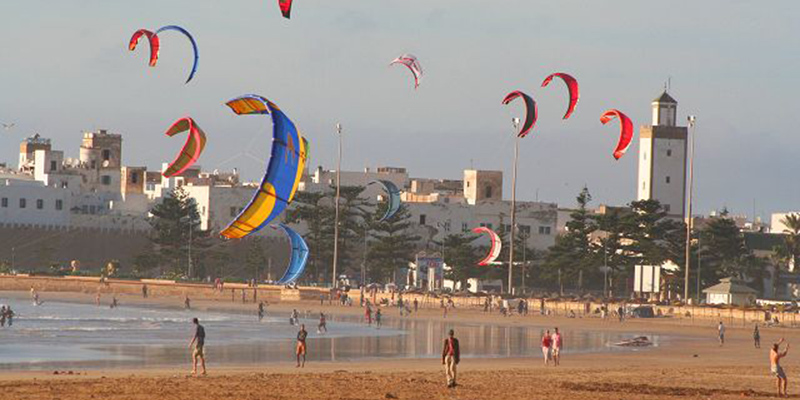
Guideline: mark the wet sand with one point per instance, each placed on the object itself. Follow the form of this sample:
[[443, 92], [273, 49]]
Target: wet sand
[[693, 366]]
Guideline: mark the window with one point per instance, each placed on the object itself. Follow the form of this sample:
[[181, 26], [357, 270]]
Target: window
[[59, 205], [53, 165], [134, 177], [233, 211], [467, 183], [106, 155], [23, 203], [669, 153], [644, 185], [666, 207], [39, 204], [64, 184], [4, 202], [464, 227], [105, 180], [422, 219], [525, 229], [645, 155], [667, 179], [92, 210], [506, 227], [94, 164], [85, 209], [544, 230], [488, 192]]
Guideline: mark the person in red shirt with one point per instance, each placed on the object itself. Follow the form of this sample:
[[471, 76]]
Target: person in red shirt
[[546, 344], [451, 356]]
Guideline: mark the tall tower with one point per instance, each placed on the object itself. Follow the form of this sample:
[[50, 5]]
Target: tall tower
[[662, 158]]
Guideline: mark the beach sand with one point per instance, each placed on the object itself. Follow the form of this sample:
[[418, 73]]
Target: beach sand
[[692, 366]]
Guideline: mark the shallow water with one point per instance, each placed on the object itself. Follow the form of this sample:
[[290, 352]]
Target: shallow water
[[67, 335]]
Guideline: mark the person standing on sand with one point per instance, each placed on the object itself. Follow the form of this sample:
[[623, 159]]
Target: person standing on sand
[[451, 356], [416, 305], [260, 311], [775, 356], [144, 291], [378, 318], [199, 343], [97, 299], [756, 337], [10, 316], [301, 345], [556, 342], [187, 304], [721, 333], [546, 344]]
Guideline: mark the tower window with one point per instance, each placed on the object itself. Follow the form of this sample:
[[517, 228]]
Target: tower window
[[422, 219], [4, 202], [669, 153], [666, 207], [105, 180], [106, 155], [488, 192], [667, 179], [53, 165], [59, 205], [40, 204], [644, 185], [23, 203], [645, 155], [134, 177]]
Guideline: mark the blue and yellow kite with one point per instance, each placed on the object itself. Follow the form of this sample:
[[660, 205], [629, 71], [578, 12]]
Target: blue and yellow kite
[[285, 168], [298, 258]]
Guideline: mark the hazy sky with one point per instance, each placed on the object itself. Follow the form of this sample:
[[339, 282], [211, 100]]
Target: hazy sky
[[65, 68]]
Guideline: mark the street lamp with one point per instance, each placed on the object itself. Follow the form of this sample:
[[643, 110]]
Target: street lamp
[[515, 124], [336, 217], [691, 120], [190, 219]]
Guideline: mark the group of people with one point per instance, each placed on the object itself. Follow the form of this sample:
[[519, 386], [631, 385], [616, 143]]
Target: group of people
[[6, 316], [551, 346]]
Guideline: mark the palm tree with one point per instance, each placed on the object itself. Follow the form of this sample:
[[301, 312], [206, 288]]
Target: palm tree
[[792, 240]]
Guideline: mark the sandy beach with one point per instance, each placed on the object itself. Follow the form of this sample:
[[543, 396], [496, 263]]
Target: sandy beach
[[692, 366]]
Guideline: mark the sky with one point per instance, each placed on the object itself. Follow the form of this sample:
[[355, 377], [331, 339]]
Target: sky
[[65, 68]]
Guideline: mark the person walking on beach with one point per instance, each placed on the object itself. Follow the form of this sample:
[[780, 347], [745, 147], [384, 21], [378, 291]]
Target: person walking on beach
[[556, 342], [260, 311], [546, 344], [97, 299], [187, 304], [721, 333], [144, 291], [775, 356], [294, 319], [323, 323], [2, 316], [416, 305], [199, 343], [368, 314], [301, 346], [451, 356], [378, 318], [9, 316], [756, 337], [114, 302]]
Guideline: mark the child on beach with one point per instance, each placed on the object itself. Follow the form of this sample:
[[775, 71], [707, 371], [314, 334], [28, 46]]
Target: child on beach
[[323, 324]]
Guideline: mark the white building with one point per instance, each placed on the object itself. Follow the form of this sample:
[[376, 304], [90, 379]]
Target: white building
[[662, 158], [29, 202]]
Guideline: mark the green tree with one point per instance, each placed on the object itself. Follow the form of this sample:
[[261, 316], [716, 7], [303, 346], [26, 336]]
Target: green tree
[[460, 257], [353, 214], [392, 244], [174, 221], [723, 250], [315, 210], [573, 255], [792, 238]]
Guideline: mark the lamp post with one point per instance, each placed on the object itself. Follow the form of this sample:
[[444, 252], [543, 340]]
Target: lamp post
[[190, 221], [515, 124], [605, 270], [692, 120], [336, 216]]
